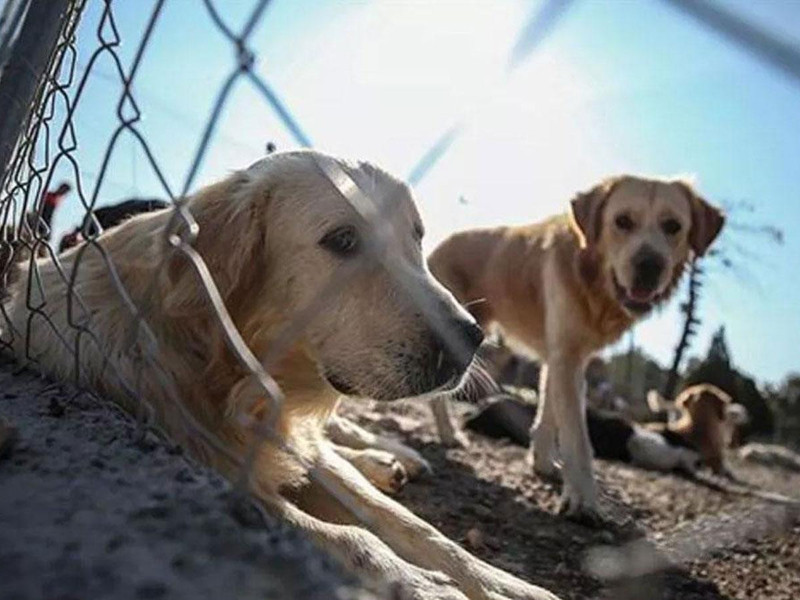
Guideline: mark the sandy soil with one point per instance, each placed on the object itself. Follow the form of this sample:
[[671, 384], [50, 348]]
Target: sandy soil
[[721, 545]]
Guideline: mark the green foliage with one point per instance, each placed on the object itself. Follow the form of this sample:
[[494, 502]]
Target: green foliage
[[785, 404]]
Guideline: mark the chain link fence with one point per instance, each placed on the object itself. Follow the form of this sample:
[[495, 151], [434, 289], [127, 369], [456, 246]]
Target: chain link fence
[[45, 79], [49, 141]]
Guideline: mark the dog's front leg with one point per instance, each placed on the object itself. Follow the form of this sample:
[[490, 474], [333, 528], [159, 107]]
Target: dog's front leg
[[344, 432], [381, 468], [361, 552], [565, 390], [415, 540]]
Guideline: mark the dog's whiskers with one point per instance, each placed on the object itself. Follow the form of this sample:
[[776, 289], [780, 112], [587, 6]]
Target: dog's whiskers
[[474, 302]]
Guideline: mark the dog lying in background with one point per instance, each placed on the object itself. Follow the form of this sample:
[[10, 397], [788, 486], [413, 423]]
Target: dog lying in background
[[695, 434], [703, 424], [703, 417], [17, 245], [273, 237], [109, 216], [613, 437], [569, 286]]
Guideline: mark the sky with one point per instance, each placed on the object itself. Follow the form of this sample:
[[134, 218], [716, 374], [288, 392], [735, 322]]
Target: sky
[[623, 86]]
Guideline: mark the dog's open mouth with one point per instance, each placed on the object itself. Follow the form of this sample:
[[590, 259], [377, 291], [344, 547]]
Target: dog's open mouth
[[636, 301]]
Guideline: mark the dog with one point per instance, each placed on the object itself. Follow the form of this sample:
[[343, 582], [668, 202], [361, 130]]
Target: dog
[[613, 437], [703, 422], [274, 237], [569, 286], [109, 216], [17, 246]]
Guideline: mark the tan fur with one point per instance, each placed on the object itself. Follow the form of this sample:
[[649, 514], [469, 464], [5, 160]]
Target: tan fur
[[703, 422], [260, 236], [566, 287]]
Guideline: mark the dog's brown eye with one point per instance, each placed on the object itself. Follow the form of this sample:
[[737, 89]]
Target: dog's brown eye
[[671, 226], [342, 241], [624, 222]]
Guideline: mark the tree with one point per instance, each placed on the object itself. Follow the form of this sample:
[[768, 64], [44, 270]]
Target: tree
[[730, 254], [718, 350]]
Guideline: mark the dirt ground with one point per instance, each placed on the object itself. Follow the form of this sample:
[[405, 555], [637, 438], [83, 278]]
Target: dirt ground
[[721, 545], [90, 510]]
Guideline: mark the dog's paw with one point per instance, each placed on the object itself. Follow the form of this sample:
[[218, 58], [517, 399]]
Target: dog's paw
[[420, 584], [581, 508], [382, 469], [545, 469], [413, 462]]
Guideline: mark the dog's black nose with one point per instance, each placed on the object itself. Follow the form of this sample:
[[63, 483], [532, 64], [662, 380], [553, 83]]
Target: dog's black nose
[[460, 342], [648, 266], [473, 334]]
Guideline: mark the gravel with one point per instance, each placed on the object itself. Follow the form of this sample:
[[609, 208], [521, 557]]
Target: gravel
[[666, 537], [90, 508]]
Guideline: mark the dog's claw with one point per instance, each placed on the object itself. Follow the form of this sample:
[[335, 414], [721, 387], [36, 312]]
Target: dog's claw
[[579, 513]]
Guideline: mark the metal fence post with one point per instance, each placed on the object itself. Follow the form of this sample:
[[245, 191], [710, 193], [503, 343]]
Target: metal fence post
[[25, 69]]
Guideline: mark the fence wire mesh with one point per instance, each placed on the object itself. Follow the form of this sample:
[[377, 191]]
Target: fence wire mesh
[[48, 143]]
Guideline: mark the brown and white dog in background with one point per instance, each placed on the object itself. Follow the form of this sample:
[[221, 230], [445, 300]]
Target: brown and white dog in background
[[703, 423], [566, 287]]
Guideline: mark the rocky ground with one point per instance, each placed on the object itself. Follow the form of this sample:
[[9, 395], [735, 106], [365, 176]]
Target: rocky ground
[[720, 544], [91, 509]]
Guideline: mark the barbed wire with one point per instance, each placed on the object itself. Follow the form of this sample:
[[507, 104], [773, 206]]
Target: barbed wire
[[48, 141]]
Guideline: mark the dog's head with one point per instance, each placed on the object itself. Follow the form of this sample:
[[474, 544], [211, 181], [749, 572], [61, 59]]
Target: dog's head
[[706, 407], [704, 402], [294, 258], [642, 232]]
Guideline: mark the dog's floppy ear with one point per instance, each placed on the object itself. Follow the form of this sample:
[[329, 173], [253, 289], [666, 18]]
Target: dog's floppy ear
[[686, 398], [721, 401], [230, 239], [586, 212], [707, 220]]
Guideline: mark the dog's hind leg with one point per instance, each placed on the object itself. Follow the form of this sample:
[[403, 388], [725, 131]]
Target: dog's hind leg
[[344, 432]]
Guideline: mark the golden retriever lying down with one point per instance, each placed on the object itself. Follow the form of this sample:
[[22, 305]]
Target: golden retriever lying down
[[569, 286], [273, 236]]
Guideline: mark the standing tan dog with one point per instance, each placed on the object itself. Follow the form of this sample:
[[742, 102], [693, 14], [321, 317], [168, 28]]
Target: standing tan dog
[[569, 286], [274, 237]]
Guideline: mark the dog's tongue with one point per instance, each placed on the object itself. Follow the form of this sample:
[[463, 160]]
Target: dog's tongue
[[641, 294]]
